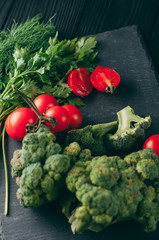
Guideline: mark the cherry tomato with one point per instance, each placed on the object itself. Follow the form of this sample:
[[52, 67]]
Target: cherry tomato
[[44, 102], [79, 81], [10, 130], [62, 117], [16, 122], [105, 79], [75, 115], [153, 143]]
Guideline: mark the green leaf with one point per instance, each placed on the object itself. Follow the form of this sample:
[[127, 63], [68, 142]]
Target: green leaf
[[45, 79], [30, 89], [86, 45], [41, 70], [20, 53], [76, 101], [20, 64], [58, 91]]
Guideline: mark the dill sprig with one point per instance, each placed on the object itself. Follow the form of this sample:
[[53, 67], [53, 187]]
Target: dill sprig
[[32, 34]]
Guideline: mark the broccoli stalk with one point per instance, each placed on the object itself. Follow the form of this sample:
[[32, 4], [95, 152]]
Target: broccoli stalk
[[130, 133], [91, 137], [99, 138]]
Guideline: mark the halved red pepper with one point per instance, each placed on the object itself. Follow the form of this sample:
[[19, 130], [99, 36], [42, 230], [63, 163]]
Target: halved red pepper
[[79, 81], [105, 79]]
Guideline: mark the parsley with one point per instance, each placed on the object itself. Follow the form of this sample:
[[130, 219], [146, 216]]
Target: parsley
[[45, 70]]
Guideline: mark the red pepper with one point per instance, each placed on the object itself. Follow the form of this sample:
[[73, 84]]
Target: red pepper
[[105, 79], [79, 81]]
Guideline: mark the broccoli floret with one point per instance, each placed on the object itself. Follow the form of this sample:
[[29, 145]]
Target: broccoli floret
[[85, 155], [148, 210], [146, 164], [15, 162], [112, 189], [91, 137], [104, 173], [130, 133], [73, 150], [29, 194], [39, 168], [57, 164]]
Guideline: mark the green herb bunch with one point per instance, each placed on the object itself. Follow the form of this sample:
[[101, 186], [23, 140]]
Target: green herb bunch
[[43, 68]]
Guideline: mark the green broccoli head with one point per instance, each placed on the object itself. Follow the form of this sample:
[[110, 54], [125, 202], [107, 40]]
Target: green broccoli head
[[35, 146], [91, 137], [108, 190], [40, 184], [99, 206], [146, 164], [130, 133], [39, 168]]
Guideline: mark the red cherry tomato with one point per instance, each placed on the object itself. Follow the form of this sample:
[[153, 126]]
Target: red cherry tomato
[[75, 115], [79, 81], [44, 102], [153, 143], [61, 116], [10, 130], [105, 79], [16, 122]]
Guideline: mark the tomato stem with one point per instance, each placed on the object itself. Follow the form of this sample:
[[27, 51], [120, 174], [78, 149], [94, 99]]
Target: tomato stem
[[41, 118], [110, 89]]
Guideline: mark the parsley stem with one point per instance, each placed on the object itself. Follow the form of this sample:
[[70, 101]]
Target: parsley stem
[[6, 112], [5, 172]]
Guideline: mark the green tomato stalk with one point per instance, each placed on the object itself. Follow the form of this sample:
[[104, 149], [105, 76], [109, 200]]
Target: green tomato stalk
[[41, 118]]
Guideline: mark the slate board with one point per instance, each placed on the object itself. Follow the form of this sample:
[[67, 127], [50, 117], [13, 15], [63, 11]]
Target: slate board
[[124, 51]]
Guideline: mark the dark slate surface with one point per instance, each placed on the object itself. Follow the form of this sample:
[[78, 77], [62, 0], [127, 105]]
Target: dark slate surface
[[122, 50]]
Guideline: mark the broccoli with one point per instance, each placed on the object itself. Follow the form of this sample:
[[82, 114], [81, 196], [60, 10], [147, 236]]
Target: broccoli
[[15, 162], [111, 189], [130, 133], [102, 139], [39, 168], [146, 164], [91, 137]]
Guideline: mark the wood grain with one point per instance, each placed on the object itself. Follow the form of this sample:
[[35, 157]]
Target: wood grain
[[83, 17]]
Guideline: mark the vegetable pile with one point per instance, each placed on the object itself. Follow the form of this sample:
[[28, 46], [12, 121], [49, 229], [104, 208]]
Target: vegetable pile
[[100, 175], [101, 189], [40, 65]]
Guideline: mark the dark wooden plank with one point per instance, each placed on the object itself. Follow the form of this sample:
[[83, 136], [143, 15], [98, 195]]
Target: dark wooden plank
[[5, 8], [154, 43], [104, 15], [122, 50], [83, 17], [100, 16], [67, 13]]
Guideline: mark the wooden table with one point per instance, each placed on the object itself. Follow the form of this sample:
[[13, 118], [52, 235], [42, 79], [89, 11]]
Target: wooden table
[[122, 50], [83, 17]]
